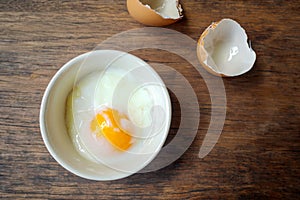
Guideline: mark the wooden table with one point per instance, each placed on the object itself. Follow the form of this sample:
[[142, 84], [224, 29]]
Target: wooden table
[[257, 155]]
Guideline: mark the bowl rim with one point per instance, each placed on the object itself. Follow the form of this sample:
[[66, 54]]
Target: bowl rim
[[43, 111]]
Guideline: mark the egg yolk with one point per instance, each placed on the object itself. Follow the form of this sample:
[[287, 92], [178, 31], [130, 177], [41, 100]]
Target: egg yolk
[[107, 123]]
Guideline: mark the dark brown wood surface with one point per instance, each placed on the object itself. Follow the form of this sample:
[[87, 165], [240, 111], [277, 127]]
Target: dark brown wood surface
[[257, 155]]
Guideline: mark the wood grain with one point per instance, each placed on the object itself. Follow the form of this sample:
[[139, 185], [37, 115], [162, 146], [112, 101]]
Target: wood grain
[[257, 155]]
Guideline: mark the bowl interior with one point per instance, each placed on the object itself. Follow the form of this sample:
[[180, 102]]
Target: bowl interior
[[52, 115]]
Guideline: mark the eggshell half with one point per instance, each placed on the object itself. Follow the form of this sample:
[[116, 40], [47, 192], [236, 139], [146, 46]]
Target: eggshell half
[[143, 13], [223, 49]]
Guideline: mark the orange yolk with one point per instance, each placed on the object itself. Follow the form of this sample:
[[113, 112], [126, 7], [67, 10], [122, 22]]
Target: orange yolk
[[107, 123]]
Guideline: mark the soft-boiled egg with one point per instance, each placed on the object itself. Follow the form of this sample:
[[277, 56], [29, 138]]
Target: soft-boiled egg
[[107, 114]]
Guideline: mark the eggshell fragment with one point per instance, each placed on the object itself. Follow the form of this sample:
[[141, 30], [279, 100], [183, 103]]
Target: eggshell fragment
[[155, 12], [223, 50]]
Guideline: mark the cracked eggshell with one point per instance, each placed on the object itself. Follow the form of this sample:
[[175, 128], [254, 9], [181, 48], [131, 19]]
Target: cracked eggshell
[[155, 12], [223, 49]]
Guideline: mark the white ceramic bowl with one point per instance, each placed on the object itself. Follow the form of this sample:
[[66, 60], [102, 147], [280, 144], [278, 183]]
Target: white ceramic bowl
[[52, 115]]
